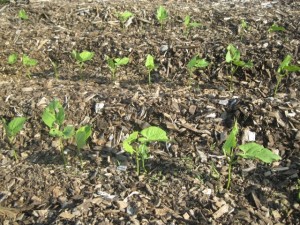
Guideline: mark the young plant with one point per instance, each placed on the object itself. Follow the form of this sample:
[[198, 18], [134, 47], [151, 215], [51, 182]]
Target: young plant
[[54, 117], [276, 28], [161, 15], [284, 69], [233, 56], [81, 136], [81, 58], [196, 63], [55, 69], [150, 66], [12, 58], [114, 64], [137, 144], [23, 15], [28, 63], [124, 17], [243, 27], [188, 25], [249, 150], [12, 129]]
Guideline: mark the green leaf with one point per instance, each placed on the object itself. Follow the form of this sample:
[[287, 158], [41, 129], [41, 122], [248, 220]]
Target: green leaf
[[150, 63], [195, 62], [75, 55], [275, 28], [161, 14], [187, 21], [81, 136], [68, 132], [253, 150], [233, 54], [122, 61], [56, 133], [15, 126], [143, 152], [123, 17], [23, 15], [153, 134], [292, 68], [244, 24], [86, 56], [12, 58], [48, 118], [27, 61], [243, 64], [195, 24], [132, 137], [284, 63], [128, 147], [231, 141], [111, 64], [53, 113]]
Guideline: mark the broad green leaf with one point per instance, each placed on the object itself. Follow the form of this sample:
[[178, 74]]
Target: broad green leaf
[[253, 150], [23, 15], [197, 63], [111, 64], [187, 21], [132, 137], [231, 141], [233, 54], [56, 109], [81, 136], [68, 132], [150, 63], [243, 64], [195, 24], [14, 126], [161, 14], [48, 118], [292, 68], [284, 63], [12, 58], [275, 28], [56, 133], [86, 56], [121, 62], [27, 61], [154, 134], [128, 147], [123, 17]]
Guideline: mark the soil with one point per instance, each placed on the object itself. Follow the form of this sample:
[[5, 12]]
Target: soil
[[185, 179]]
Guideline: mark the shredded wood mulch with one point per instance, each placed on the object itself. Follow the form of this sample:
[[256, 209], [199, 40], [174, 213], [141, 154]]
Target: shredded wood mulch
[[186, 178]]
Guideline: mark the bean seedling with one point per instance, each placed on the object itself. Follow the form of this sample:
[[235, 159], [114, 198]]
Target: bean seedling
[[137, 144], [150, 66], [54, 117], [188, 25], [276, 28], [23, 15], [161, 15], [81, 136], [113, 64], [196, 63], [12, 129], [284, 69], [28, 63], [12, 58], [81, 58], [124, 17], [233, 58], [249, 150]]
